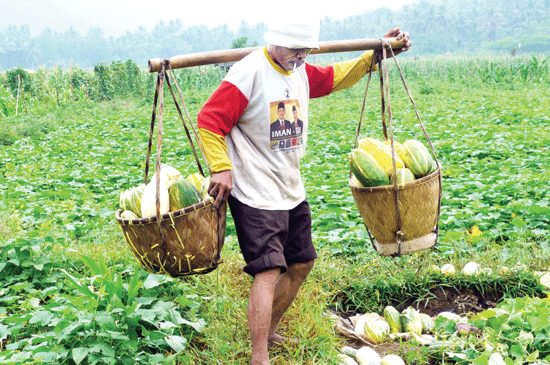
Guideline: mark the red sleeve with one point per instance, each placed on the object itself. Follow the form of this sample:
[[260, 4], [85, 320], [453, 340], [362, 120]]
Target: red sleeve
[[321, 80], [223, 109]]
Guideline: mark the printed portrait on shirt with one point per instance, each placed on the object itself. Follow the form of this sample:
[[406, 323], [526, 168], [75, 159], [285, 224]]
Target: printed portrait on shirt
[[286, 126]]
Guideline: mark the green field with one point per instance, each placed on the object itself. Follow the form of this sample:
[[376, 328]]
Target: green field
[[71, 292]]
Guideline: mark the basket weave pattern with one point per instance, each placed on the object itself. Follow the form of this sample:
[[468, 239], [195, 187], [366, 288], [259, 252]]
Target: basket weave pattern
[[188, 241], [419, 203]]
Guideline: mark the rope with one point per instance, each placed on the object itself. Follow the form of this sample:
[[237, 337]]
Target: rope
[[190, 122], [436, 230]]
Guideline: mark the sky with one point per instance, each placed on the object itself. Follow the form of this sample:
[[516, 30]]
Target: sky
[[116, 17]]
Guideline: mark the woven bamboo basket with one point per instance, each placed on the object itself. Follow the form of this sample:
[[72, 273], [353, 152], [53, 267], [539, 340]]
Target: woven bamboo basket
[[404, 218], [184, 242], [419, 206], [188, 241]]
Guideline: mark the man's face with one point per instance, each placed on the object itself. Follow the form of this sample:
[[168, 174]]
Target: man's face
[[289, 58], [281, 113], [295, 112]]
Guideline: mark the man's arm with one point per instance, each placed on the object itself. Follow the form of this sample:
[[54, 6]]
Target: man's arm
[[219, 114], [343, 75]]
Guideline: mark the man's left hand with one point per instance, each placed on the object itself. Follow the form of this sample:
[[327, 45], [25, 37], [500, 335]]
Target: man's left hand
[[400, 36]]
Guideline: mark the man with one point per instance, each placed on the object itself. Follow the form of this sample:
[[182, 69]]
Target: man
[[281, 126], [260, 177], [297, 123]]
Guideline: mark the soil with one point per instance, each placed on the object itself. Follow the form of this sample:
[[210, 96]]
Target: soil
[[443, 299]]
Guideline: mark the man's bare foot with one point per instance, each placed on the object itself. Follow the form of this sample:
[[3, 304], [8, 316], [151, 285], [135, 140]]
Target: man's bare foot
[[278, 340]]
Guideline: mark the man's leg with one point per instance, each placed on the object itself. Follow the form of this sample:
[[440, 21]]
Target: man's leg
[[286, 289], [260, 309]]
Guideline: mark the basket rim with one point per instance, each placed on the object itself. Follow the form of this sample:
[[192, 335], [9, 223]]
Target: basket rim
[[200, 205], [406, 185]]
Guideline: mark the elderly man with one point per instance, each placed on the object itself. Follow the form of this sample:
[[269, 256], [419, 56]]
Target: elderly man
[[257, 170]]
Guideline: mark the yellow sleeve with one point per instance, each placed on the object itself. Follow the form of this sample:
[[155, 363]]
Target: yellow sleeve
[[348, 73], [215, 150]]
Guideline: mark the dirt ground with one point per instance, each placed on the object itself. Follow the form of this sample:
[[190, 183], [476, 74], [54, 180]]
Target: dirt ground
[[458, 301]]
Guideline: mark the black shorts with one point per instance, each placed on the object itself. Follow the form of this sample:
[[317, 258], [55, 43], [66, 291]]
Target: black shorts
[[271, 239]]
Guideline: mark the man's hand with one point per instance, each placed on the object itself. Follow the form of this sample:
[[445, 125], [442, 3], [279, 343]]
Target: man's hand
[[221, 184], [401, 36]]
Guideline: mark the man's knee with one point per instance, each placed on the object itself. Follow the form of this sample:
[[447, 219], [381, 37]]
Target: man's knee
[[300, 270]]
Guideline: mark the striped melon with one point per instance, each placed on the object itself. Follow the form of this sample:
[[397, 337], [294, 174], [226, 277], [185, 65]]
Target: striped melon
[[411, 321], [404, 175], [392, 316], [366, 169], [182, 193], [374, 332], [196, 179], [427, 323], [417, 158], [205, 185], [130, 200], [398, 146], [129, 215], [381, 153]]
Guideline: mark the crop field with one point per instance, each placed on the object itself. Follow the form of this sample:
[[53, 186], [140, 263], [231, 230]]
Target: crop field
[[72, 293]]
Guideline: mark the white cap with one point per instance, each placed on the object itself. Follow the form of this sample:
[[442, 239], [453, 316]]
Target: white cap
[[301, 32]]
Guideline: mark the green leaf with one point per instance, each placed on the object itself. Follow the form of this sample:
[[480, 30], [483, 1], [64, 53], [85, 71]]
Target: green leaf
[[42, 317], [133, 287], [80, 287], [118, 336], [177, 343], [518, 222], [79, 354], [92, 264], [154, 280], [516, 351]]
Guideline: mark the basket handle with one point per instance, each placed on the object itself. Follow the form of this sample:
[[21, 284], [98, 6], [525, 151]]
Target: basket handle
[[159, 92], [197, 139]]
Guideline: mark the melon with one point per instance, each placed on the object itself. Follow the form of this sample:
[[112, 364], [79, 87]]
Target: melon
[[182, 193], [168, 175], [130, 200], [404, 175], [381, 153], [374, 332], [392, 360], [392, 316], [149, 200], [427, 323], [196, 179], [366, 169], [366, 355], [417, 158], [396, 145], [128, 215], [344, 359], [411, 321], [205, 185]]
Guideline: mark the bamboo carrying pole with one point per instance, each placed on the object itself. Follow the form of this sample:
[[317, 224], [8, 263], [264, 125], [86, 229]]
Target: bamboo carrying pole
[[233, 55]]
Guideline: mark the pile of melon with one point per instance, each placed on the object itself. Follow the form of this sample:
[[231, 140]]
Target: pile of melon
[[175, 192], [372, 162], [391, 326]]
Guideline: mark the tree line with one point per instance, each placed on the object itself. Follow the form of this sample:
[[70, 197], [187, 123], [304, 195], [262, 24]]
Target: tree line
[[457, 26]]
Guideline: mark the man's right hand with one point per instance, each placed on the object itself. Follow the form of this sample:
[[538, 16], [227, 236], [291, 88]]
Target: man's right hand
[[220, 187]]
